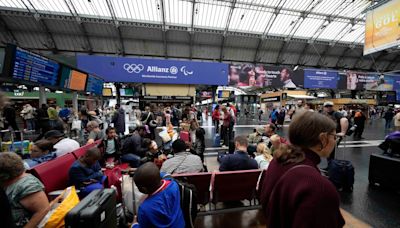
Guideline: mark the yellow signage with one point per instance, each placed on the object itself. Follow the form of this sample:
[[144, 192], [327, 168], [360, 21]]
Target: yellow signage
[[382, 27]]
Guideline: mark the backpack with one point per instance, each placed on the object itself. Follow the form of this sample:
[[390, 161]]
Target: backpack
[[188, 194]]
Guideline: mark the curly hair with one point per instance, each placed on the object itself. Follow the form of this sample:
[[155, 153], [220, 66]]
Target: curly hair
[[11, 166]]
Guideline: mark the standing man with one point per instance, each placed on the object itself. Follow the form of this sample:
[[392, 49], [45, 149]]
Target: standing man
[[286, 80], [388, 118], [342, 123], [359, 120], [27, 114], [119, 120], [260, 112]]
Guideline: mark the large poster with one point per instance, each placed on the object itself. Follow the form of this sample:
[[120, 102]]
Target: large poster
[[249, 75], [396, 86], [365, 81], [159, 71], [320, 79], [382, 29]]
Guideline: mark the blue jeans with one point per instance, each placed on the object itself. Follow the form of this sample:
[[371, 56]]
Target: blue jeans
[[132, 159], [89, 188], [388, 124], [30, 124]]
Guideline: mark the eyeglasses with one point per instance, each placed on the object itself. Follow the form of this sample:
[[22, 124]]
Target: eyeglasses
[[334, 136]]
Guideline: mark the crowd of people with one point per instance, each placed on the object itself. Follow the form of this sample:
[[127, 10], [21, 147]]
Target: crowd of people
[[294, 194]]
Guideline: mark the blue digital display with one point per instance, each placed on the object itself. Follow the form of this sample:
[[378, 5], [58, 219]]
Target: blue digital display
[[320, 79], [95, 85], [34, 68]]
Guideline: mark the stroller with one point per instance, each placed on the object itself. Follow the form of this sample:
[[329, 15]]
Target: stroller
[[391, 145]]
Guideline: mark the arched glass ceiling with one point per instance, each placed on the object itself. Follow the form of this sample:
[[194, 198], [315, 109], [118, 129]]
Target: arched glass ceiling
[[332, 20]]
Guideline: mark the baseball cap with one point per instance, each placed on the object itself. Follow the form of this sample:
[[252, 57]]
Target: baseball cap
[[328, 103], [53, 134]]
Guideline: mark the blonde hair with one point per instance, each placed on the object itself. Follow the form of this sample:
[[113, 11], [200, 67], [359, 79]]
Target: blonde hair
[[275, 138], [262, 149]]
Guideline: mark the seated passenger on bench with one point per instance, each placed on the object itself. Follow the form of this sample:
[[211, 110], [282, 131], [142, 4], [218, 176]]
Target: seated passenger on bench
[[85, 173]]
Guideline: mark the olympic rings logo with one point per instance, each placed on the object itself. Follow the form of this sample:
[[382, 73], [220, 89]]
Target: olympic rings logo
[[133, 68]]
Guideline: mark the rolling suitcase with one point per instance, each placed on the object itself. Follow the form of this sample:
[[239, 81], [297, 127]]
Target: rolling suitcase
[[98, 209], [217, 140], [341, 172]]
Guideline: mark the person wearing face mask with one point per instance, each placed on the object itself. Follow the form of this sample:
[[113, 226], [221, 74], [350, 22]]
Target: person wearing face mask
[[161, 208], [295, 194]]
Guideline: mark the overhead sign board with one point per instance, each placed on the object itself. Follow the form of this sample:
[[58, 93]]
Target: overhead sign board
[[382, 28], [320, 79], [159, 71]]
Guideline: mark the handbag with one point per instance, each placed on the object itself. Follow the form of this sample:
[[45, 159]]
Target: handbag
[[59, 208]]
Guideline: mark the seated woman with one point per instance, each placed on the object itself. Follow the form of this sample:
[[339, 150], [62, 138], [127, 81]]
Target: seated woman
[[153, 154], [29, 203], [264, 156], [85, 173], [41, 151], [95, 133]]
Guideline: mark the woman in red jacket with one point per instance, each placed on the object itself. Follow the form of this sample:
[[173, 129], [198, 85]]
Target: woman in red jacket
[[295, 194], [215, 118]]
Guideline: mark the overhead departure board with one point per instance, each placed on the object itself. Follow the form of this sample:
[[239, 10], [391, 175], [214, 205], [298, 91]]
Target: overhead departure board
[[34, 68], [94, 85]]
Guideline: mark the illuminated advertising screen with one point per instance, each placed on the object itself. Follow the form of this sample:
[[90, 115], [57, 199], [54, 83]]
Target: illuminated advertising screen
[[382, 28], [250, 75]]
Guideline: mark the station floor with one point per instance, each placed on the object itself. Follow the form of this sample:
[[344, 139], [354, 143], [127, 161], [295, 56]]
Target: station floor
[[366, 206]]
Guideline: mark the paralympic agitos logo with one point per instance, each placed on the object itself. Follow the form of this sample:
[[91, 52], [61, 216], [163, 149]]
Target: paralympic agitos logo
[[138, 68]]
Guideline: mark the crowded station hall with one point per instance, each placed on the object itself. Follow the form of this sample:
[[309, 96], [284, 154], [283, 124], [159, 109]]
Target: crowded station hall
[[199, 113]]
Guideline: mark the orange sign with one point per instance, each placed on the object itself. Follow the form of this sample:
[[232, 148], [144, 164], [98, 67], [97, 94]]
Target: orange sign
[[382, 27], [77, 80]]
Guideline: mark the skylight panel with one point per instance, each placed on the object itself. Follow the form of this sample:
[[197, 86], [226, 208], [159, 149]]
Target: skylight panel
[[328, 6], [308, 27], [298, 5], [97, 8], [355, 8], [283, 24], [12, 3], [249, 20], [332, 30], [354, 33], [138, 10], [178, 12], [211, 15]]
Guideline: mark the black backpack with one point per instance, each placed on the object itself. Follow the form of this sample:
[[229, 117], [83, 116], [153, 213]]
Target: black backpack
[[188, 194]]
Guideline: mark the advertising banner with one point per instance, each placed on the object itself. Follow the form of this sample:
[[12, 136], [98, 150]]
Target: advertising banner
[[158, 71], [249, 75], [314, 79], [382, 28], [396, 86], [365, 81]]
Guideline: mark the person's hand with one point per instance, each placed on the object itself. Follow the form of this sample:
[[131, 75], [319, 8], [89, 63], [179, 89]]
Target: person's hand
[[134, 219], [341, 134]]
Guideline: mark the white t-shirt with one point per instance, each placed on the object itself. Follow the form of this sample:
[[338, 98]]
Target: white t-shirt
[[65, 146], [261, 162]]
